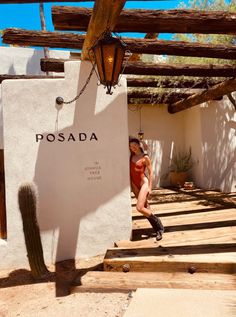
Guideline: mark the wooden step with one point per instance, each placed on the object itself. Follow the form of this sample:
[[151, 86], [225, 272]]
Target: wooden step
[[117, 281], [223, 218], [179, 206], [200, 217], [212, 258], [182, 238]]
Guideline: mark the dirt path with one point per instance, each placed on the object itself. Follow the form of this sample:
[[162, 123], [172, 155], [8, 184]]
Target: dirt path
[[20, 295]]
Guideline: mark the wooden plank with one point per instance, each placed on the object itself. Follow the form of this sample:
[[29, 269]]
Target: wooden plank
[[180, 48], [134, 45], [167, 83], [3, 217], [104, 17], [140, 68], [168, 208], [148, 21], [193, 237], [155, 97], [137, 68], [186, 219], [53, 64], [42, 38], [212, 258], [221, 89], [113, 281]]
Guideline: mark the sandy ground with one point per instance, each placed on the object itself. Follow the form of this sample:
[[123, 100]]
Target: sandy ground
[[20, 295]]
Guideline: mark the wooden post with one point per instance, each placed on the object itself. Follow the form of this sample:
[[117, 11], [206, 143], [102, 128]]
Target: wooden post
[[104, 17]]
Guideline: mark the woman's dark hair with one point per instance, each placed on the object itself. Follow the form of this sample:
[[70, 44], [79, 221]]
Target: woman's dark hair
[[134, 140]]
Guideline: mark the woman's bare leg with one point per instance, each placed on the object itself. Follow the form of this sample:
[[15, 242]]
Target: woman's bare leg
[[142, 205]]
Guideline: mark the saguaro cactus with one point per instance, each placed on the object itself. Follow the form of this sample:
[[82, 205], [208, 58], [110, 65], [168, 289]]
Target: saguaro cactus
[[28, 206]]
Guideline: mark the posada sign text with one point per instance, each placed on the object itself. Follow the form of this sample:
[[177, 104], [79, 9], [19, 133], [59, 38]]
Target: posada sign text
[[62, 137]]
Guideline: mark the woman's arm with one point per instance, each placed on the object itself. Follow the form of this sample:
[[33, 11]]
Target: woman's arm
[[150, 171]]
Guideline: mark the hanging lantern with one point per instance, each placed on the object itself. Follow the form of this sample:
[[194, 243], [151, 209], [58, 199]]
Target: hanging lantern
[[108, 54], [140, 134]]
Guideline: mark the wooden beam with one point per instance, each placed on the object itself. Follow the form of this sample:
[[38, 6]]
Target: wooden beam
[[216, 91], [193, 70], [159, 100], [138, 56], [138, 68], [208, 258], [104, 17], [139, 46], [117, 281], [147, 21], [53, 64], [8, 76], [43, 38], [156, 98], [167, 83], [180, 48]]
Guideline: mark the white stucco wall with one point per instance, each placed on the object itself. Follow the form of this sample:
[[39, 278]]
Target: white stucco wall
[[22, 61], [80, 214], [210, 130]]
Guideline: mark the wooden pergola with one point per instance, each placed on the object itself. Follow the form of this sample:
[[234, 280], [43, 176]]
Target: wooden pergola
[[110, 14]]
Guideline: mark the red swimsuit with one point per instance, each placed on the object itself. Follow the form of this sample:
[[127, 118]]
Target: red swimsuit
[[137, 170]]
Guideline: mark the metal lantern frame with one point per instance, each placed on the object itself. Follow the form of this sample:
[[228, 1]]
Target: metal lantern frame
[[108, 53]]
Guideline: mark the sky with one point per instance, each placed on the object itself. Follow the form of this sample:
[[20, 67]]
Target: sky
[[26, 16]]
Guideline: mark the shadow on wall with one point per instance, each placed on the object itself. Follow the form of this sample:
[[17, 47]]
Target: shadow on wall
[[219, 146], [69, 191], [155, 151], [33, 65]]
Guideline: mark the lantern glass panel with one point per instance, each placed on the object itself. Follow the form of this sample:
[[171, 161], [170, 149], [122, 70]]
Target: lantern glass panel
[[109, 61], [120, 53], [99, 63]]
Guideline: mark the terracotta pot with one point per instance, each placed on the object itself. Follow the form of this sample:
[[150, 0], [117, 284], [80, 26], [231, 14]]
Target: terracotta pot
[[177, 179]]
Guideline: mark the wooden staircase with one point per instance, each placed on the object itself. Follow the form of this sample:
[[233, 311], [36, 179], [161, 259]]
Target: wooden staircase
[[198, 249]]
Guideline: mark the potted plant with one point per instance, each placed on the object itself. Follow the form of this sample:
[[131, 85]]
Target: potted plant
[[181, 164]]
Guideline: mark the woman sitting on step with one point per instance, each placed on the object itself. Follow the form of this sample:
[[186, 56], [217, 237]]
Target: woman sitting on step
[[141, 183]]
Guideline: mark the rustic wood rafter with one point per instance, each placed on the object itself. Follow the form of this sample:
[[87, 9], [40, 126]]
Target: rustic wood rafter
[[137, 46], [224, 88], [140, 68], [167, 83], [192, 70], [148, 21]]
